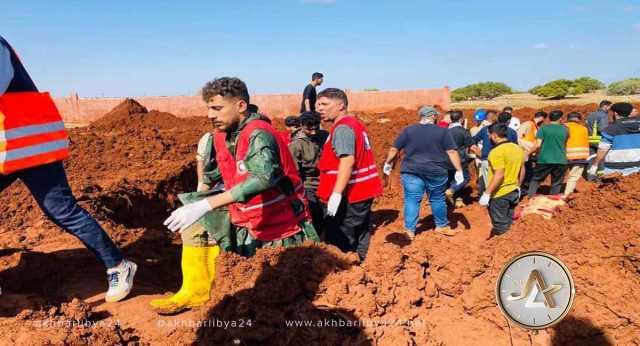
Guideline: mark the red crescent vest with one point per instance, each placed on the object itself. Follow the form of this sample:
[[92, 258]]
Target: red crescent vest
[[31, 130], [269, 215], [365, 182]]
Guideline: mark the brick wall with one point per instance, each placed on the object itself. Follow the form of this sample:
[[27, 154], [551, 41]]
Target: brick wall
[[81, 110]]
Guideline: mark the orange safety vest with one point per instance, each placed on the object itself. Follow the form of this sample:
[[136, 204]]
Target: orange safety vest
[[530, 136], [32, 132], [578, 141]]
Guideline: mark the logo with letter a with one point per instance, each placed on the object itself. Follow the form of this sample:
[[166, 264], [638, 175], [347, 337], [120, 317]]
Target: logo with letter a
[[535, 286]]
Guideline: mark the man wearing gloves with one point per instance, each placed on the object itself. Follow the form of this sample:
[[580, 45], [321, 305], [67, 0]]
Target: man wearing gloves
[[429, 153], [349, 178], [33, 143], [263, 191], [506, 173]]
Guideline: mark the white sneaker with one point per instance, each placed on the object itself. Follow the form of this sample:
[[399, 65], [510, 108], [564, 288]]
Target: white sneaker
[[120, 281]]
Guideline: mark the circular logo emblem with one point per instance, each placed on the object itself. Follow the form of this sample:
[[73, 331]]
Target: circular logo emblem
[[241, 167], [535, 290]]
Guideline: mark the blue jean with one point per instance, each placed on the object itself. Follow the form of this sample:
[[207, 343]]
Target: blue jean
[[414, 189], [452, 181], [49, 187]]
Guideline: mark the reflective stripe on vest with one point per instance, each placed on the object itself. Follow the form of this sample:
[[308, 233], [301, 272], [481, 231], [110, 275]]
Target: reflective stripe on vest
[[577, 142], [31, 131], [269, 202]]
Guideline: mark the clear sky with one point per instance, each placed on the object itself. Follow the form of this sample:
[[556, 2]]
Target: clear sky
[[140, 47]]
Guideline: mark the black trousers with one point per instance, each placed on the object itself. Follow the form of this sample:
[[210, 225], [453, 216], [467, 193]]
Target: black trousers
[[350, 229], [528, 173], [501, 212], [540, 173], [316, 209]]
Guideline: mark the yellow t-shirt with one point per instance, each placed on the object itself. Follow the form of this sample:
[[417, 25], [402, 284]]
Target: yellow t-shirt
[[510, 157]]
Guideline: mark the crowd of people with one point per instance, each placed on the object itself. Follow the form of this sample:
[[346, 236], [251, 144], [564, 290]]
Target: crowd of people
[[511, 158], [259, 187]]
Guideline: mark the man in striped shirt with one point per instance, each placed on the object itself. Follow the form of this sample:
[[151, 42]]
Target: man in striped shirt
[[619, 146]]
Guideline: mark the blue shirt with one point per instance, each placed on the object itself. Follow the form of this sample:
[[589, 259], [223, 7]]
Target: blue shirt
[[487, 145], [425, 150]]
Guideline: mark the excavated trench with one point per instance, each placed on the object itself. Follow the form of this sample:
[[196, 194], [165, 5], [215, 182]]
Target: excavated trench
[[127, 169]]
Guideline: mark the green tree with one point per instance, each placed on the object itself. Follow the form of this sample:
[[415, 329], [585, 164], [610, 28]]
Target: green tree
[[480, 91], [555, 89], [629, 86], [588, 84]]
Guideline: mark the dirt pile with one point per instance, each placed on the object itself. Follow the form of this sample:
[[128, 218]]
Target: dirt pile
[[436, 290], [127, 169]]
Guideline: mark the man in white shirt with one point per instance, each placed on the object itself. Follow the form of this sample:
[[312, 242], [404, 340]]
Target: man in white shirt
[[514, 123]]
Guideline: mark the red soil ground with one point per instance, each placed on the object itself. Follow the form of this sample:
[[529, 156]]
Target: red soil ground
[[127, 169]]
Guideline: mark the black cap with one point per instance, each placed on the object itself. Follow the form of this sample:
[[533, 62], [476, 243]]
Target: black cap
[[292, 120], [574, 116], [309, 118], [622, 108]]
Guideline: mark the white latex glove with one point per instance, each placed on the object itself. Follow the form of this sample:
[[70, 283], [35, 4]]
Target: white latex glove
[[185, 216], [386, 169], [458, 177], [484, 200], [334, 203], [593, 170]]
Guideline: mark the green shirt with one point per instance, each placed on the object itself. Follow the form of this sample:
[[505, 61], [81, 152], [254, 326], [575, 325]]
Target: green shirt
[[306, 153], [554, 144], [262, 162]]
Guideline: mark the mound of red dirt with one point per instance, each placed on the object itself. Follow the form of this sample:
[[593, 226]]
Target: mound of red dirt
[[127, 169], [436, 290]]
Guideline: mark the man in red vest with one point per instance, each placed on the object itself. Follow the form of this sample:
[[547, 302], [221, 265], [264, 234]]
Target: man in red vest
[[32, 152], [349, 178], [263, 190]]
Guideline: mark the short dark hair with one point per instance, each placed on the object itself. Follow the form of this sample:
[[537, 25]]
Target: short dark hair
[[316, 75], [504, 117], [540, 114], [622, 108], [292, 120], [574, 115], [456, 116], [309, 119], [499, 129], [252, 108], [555, 115], [507, 109], [604, 103], [335, 94], [225, 87]]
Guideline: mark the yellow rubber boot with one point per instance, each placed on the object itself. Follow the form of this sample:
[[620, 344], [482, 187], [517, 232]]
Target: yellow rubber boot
[[213, 253], [196, 283]]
